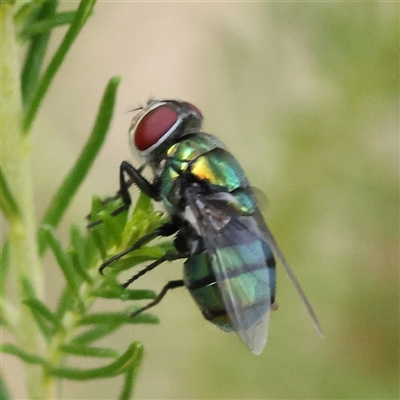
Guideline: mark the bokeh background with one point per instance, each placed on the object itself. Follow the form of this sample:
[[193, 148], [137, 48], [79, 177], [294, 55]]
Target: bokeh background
[[306, 95]]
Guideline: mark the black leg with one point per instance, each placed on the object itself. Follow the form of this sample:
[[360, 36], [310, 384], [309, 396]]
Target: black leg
[[168, 286], [169, 256], [134, 177], [165, 230]]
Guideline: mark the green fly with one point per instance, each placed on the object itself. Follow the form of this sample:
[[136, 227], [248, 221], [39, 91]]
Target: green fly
[[229, 251]]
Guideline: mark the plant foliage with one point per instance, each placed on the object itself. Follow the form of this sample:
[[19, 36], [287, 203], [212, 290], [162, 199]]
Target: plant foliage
[[46, 336]]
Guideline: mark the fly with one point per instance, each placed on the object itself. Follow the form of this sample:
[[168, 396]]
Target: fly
[[229, 252]]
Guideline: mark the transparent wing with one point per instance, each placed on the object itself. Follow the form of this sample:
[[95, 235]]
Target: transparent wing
[[239, 256], [277, 251]]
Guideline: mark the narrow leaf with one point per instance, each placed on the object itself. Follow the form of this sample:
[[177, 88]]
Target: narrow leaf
[[4, 263], [97, 241], [48, 237], [144, 319], [4, 392], [36, 53], [96, 333], [26, 12], [127, 389], [78, 267], [125, 294], [41, 309], [22, 354], [82, 13], [8, 203], [77, 252], [130, 379], [85, 351], [131, 357], [118, 318], [46, 25], [64, 303], [28, 295], [105, 318], [79, 247], [75, 177]]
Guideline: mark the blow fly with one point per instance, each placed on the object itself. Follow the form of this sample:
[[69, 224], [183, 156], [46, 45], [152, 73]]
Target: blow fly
[[229, 251]]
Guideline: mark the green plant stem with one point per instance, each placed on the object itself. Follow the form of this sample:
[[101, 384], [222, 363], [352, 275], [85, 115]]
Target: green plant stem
[[16, 164]]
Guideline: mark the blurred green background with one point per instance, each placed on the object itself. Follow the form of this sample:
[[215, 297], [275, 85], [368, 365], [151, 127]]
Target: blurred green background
[[306, 95]]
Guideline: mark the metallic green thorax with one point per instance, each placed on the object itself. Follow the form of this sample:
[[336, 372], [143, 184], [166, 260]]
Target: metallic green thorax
[[205, 158]]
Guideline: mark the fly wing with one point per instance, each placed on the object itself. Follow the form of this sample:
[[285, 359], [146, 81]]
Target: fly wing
[[243, 264], [277, 251]]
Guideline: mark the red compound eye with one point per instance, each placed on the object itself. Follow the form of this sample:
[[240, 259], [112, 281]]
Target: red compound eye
[[153, 126]]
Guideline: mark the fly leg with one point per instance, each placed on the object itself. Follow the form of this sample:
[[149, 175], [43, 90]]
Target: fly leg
[[168, 286], [134, 177], [168, 256], [165, 230]]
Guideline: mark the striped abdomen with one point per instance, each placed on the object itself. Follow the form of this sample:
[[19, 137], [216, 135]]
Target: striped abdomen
[[249, 272]]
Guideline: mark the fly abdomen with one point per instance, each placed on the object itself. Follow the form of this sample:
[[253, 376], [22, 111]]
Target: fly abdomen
[[251, 275], [200, 280], [249, 272]]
